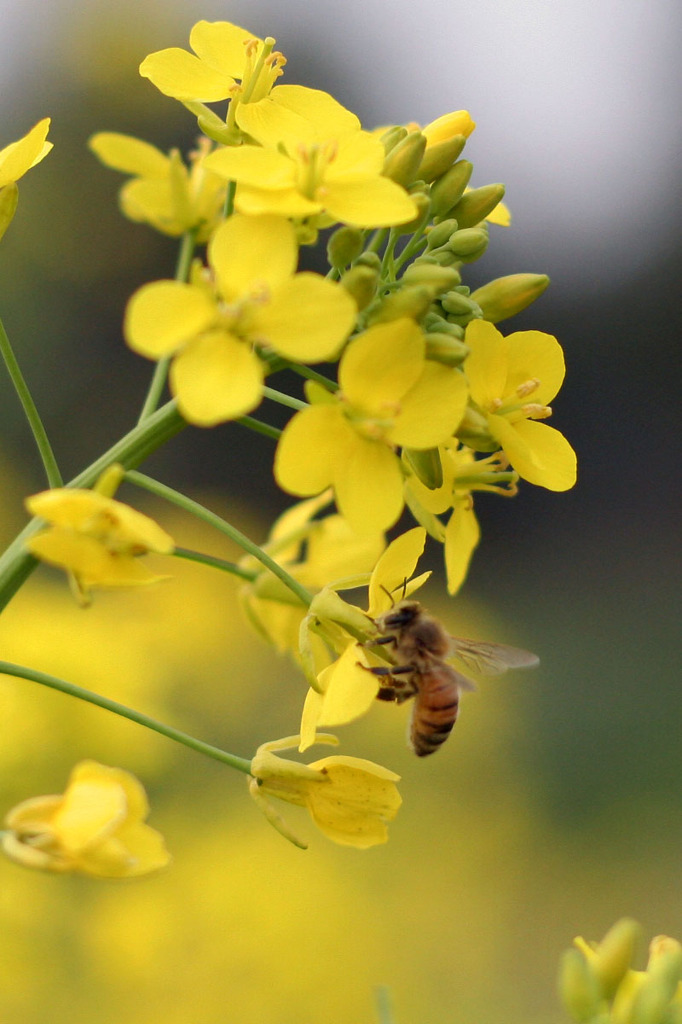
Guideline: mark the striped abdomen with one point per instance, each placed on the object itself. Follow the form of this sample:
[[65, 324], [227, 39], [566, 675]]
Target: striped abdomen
[[435, 708]]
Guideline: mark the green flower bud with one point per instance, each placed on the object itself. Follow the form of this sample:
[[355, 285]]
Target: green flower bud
[[440, 279], [344, 246], [652, 1000], [361, 283], [434, 322], [403, 160], [449, 188], [615, 953], [506, 296], [413, 301], [579, 989], [440, 156], [423, 205], [369, 259], [470, 244], [460, 304], [426, 465], [9, 197], [439, 234], [442, 257], [445, 348], [392, 136], [475, 205]]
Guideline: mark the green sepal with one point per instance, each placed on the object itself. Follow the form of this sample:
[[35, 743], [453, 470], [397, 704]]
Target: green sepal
[[426, 465]]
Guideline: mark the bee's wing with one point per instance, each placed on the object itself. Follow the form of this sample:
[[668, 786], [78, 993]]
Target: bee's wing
[[492, 659]]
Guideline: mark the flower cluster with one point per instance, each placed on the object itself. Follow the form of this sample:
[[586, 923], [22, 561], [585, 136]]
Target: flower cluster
[[410, 398]]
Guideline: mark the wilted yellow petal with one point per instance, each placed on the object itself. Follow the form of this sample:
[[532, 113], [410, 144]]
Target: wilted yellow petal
[[354, 807]]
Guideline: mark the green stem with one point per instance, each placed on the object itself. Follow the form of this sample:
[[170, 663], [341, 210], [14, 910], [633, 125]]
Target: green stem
[[282, 399], [260, 428], [16, 564], [54, 477], [239, 763], [309, 374], [158, 382], [194, 508], [215, 563], [229, 197]]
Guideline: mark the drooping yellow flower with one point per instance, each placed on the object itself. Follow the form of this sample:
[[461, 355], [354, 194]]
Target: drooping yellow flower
[[164, 192], [351, 800], [312, 160], [225, 54], [96, 539], [346, 689], [390, 395], [511, 380], [18, 157], [96, 827], [462, 474], [255, 300]]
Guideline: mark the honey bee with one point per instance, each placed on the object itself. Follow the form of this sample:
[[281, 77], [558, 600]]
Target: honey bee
[[421, 645]]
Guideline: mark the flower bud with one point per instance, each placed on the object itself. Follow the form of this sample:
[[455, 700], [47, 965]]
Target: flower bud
[[344, 246], [469, 245], [439, 234], [578, 987], [506, 296], [412, 301], [361, 283], [439, 157], [440, 279], [476, 204], [9, 197], [652, 1000], [445, 348], [426, 465], [403, 160], [456, 122], [449, 188], [369, 259], [423, 204], [459, 304], [392, 136], [615, 953]]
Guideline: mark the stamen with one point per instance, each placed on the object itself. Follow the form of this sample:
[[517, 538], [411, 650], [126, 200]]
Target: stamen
[[528, 387], [535, 411]]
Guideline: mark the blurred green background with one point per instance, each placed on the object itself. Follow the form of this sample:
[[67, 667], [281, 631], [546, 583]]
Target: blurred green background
[[555, 808]]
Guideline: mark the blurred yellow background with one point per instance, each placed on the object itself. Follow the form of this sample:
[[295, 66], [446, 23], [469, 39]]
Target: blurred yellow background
[[554, 809]]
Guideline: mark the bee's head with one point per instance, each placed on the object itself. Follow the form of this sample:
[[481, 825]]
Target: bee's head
[[401, 616]]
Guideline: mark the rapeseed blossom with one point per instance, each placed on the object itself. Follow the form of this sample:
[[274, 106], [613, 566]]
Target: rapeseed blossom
[[18, 157], [390, 395], [164, 192], [351, 800], [503, 374], [96, 539], [312, 161], [97, 827], [213, 327]]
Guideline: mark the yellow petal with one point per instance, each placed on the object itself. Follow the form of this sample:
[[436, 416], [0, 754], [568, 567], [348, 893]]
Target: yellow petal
[[130, 155], [183, 76], [349, 688], [369, 486], [272, 125], [533, 354], [82, 510], [356, 803], [20, 156], [330, 118], [486, 365], [457, 122], [220, 44], [381, 365], [309, 448], [250, 165], [538, 452], [216, 378], [252, 253], [367, 202], [89, 560], [308, 319], [462, 534], [394, 568], [163, 315], [432, 409], [286, 202]]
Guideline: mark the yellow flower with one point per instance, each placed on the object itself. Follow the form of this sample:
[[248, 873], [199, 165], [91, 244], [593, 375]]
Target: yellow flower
[[445, 127], [314, 161], [390, 395], [462, 474], [96, 827], [96, 539], [163, 192], [313, 551], [224, 53], [20, 156], [350, 800], [257, 299], [511, 380], [346, 689]]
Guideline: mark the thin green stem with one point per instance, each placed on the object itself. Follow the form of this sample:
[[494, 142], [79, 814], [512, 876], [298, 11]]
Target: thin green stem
[[194, 508], [158, 382], [260, 428], [215, 563], [282, 399], [229, 197], [16, 564], [54, 477], [241, 764], [310, 374]]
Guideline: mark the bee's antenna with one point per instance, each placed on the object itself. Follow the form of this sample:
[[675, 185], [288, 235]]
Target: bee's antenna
[[404, 588], [389, 595]]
